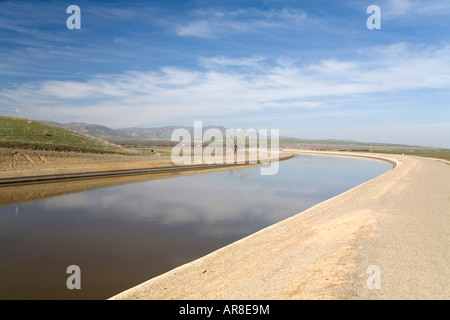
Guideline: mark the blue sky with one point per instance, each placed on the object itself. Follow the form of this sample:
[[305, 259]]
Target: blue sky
[[309, 68]]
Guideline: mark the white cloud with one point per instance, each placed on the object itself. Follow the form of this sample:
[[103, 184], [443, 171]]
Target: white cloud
[[173, 93], [209, 23], [202, 29], [227, 61], [392, 9], [333, 67], [400, 6]]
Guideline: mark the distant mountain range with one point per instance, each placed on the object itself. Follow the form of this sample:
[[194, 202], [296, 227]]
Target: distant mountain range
[[105, 133], [164, 133]]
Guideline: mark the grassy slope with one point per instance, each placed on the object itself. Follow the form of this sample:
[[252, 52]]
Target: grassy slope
[[22, 133], [439, 154], [341, 142]]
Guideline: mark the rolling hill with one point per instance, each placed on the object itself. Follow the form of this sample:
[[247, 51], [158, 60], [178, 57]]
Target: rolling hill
[[23, 133], [135, 133]]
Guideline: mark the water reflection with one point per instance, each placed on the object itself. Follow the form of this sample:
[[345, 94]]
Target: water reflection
[[125, 234]]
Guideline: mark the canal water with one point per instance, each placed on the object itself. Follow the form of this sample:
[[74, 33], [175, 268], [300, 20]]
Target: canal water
[[122, 235]]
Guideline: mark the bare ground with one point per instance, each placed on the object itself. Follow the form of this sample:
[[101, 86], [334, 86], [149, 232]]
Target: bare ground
[[16, 162], [22, 163]]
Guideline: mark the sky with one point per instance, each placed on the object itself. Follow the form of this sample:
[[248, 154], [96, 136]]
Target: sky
[[312, 69]]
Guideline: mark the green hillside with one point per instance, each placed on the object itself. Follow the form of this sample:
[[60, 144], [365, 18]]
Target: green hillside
[[22, 133]]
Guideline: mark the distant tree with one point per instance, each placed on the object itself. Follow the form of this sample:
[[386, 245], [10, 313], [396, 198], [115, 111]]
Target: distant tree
[[236, 141], [236, 138]]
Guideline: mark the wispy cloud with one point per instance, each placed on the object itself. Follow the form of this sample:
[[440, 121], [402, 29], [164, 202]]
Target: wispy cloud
[[216, 22], [143, 97], [408, 8], [202, 29], [221, 61]]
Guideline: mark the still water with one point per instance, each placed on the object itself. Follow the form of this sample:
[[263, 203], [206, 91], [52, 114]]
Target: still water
[[123, 235]]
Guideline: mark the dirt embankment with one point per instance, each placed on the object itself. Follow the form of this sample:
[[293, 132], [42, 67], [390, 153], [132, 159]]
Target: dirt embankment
[[16, 162], [26, 163]]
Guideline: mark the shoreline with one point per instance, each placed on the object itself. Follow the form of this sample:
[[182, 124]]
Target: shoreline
[[73, 176], [89, 166], [324, 252]]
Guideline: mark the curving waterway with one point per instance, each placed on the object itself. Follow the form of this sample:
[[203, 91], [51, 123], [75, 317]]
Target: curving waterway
[[122, 235]]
